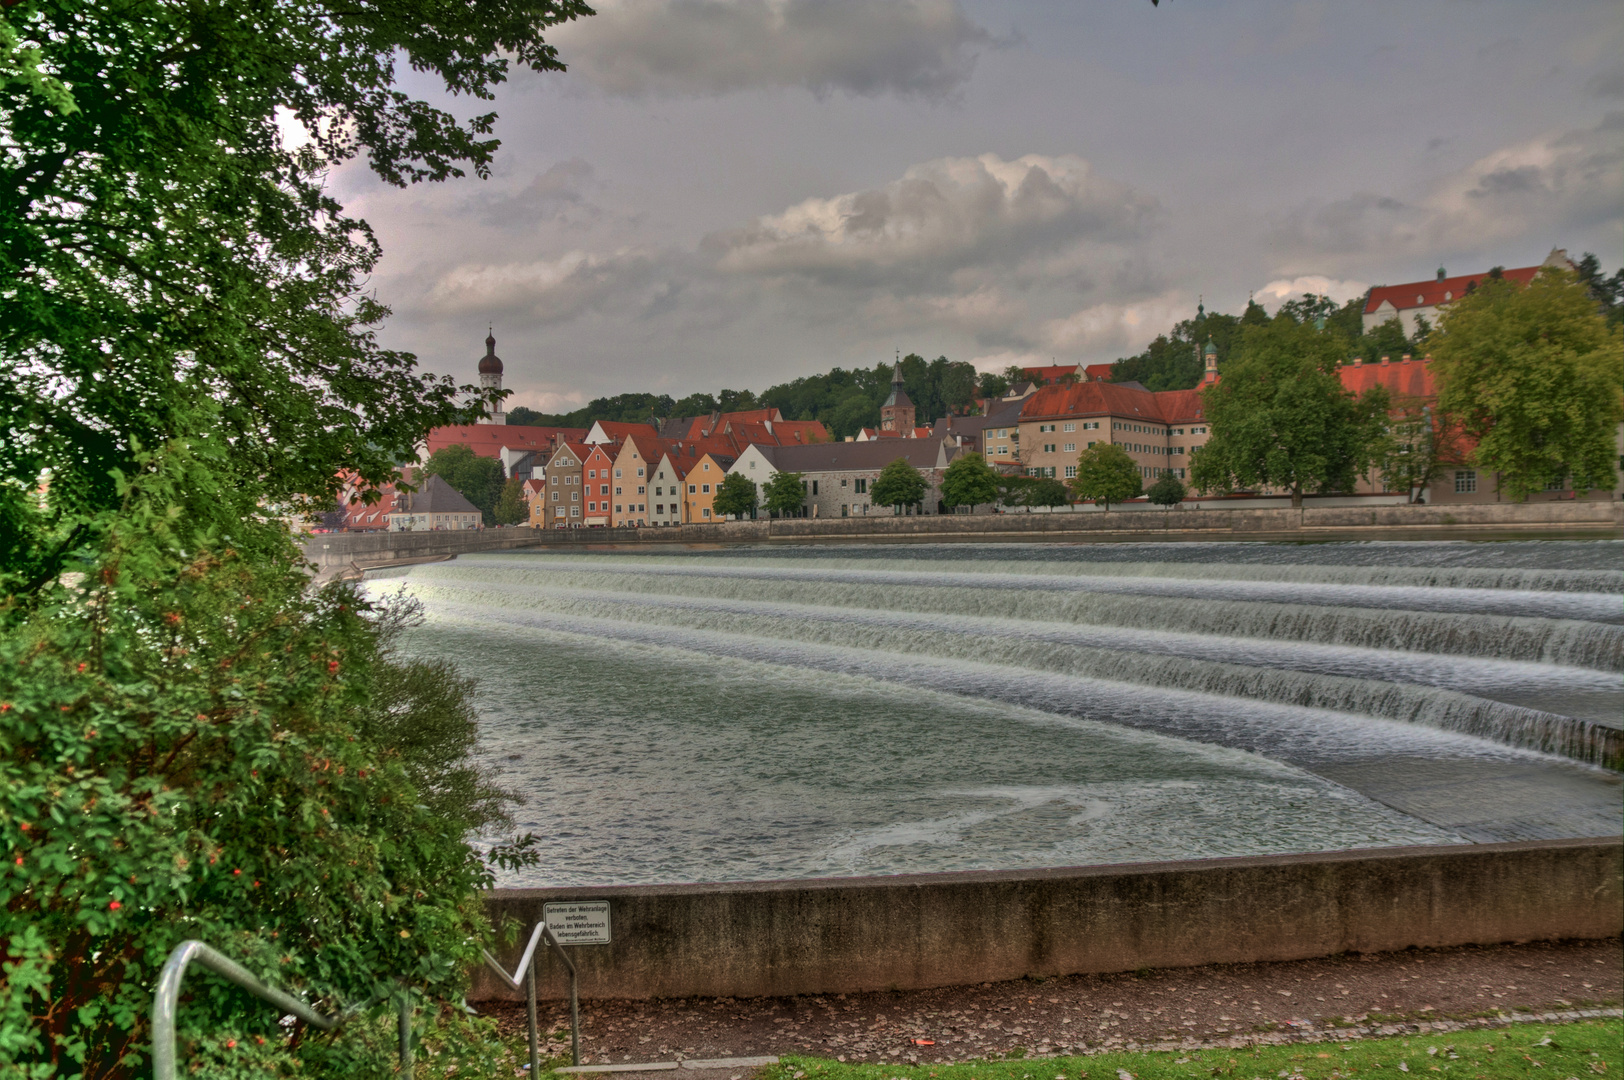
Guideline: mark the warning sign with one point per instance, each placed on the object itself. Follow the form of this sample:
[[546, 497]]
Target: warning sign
[[578, 922]]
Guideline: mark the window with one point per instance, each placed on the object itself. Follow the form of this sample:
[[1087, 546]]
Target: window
[[842, 481], [1003, 449], [691, 488], [814, 487], [707, 467], [706, 487], [1003, 433], [555, 481], [617, 489], [1071, 471], [575, 496], [1091, 446], [1071, 427], [752, 464], [1045, 427], [641, 490], [555, 496], [617, 474], [1048, 448], [559, 512], [705, 512], [640, 473], [617, 508], [659, 490], [575, 511], [860, 486], [1033, 471], [1071, 447]]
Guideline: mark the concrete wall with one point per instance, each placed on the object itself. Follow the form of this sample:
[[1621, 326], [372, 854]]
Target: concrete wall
[[838, 935], [1312, 522]]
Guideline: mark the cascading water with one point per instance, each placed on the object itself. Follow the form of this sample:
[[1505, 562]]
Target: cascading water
[[746, 713]]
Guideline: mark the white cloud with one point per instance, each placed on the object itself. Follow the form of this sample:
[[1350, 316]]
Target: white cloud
[[940, 217], [545, 290], [702, 47], [1549, 185], [1283, 289], [1116, 327]]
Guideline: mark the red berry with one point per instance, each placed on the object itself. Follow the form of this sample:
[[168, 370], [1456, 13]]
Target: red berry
[[114, 905]]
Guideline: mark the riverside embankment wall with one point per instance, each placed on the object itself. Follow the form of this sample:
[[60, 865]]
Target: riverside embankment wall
[[748, 939], [1597, 518]]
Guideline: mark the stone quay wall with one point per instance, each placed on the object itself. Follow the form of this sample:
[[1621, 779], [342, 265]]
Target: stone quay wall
[[839, 935], [1598, 518]]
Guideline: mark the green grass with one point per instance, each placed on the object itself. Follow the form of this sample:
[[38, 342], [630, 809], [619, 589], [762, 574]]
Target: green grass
[[1587, 1050]]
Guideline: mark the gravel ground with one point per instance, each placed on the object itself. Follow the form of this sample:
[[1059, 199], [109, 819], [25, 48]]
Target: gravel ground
[[1074, 1013]]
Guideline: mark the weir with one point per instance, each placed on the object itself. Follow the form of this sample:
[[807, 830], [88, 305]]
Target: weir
[[798, 713]]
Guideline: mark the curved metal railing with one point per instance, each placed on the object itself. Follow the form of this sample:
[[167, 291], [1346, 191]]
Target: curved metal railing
[[527, 971], [167, 1000]]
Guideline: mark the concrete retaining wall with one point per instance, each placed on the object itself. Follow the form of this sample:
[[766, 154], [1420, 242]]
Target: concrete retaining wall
[[839, 935], [1312, 522]]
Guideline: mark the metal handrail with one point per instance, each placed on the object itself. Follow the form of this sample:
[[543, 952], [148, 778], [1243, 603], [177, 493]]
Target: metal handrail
[[527, 971], [167, 1000]]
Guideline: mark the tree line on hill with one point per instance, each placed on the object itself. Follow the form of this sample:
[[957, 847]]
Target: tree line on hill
[[846, 401]]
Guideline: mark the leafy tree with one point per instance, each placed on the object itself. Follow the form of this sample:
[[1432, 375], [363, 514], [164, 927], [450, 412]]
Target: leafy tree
[[1106, 474], [1168, 490], [1281, 417], [1419, 441], [1045, 491], [958, 387], [522, 416], [857, 411], [197, 739], [990, 384], [736, 496], [159, 246], [786, 494], [736, 401], [1534, 374], [478, 479], [899, 484], [1608, 292], [1174, 361], [695, 405], [198, 745], [969, 481], [510, 508]]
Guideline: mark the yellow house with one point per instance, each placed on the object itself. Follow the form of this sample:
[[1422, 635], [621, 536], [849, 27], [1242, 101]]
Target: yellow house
[[704, 476], [634, 462]]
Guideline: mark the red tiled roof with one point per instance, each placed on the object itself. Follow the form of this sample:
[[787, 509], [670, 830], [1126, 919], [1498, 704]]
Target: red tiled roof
[[791, 432], [620, 431], [487, 440], [1042, 375], [1179, 406], [1098, 372], [1434, 292], [1115, 399], [1402, 379]]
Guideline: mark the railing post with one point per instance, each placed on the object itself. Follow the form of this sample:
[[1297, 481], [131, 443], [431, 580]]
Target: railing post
[[575, 1015], [405, 1032], [530, 1012]]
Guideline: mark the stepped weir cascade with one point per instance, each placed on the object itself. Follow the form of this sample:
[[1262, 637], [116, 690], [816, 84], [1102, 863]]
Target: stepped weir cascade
[[752, 712]]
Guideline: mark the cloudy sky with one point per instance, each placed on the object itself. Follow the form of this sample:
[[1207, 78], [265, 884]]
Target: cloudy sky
[[735, 192]]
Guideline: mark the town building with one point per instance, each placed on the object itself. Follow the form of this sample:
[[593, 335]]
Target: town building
[[1414, 301], [435, 506], [897, 412], [704, 477], [669, 478], [837, 477], [564, 503], [595, 484], [490, 377], [1159, 430], [634, 464]]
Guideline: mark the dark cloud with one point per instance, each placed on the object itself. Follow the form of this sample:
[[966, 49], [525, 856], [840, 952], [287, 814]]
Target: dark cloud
[[925, 48], [559, 194]]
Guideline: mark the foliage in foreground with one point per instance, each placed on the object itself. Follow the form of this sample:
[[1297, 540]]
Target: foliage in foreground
[[899, 484], [1535, 374], [1282, 419], [1106, 474], [196, 745], [1586, 1050]]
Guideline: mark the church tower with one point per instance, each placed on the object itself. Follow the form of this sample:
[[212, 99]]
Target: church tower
[[1210, 358], [897, 414], [490, 377]]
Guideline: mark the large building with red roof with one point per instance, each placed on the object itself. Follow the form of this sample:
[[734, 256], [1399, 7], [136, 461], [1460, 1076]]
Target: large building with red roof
[[1416, 300]]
